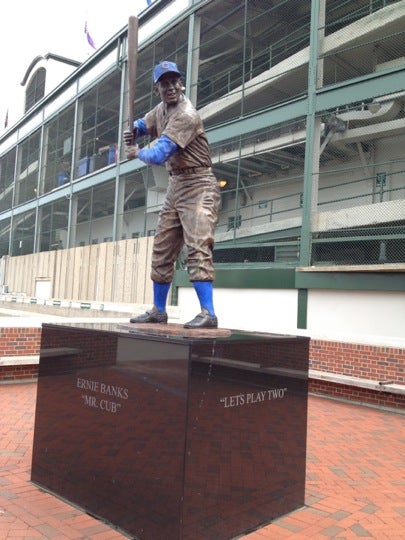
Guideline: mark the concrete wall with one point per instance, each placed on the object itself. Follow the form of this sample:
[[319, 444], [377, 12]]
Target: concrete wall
[[363, 317]]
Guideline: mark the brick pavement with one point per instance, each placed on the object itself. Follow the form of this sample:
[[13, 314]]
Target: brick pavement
[[355, 478]]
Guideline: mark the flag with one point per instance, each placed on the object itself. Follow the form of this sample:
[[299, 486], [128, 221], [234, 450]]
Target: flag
[[89, 38], [6, 120]]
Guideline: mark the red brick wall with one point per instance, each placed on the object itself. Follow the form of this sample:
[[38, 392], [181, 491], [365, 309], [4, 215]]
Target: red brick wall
[[364, 361], [380, 364], [18, 373], [360, 395], [19, 341]]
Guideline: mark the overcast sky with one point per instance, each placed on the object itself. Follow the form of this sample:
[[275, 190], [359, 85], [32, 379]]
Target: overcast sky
[[30, 28]]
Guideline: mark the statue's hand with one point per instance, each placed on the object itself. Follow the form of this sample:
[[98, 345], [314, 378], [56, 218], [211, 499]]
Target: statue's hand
[[132, 151], [130, 136]]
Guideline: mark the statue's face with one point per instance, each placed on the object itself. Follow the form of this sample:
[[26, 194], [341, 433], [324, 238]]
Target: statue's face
[[169, 88]]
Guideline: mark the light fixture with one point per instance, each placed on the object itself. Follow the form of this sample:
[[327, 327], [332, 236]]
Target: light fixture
[[222, 183]]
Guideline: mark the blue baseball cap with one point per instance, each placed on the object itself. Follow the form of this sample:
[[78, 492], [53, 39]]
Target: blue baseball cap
[[165, 67]]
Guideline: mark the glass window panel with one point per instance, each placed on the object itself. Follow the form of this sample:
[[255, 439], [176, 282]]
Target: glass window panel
[[53, 224], [81, 218], [97, 134], [7, 166], [28, 169], [5, 227], [35, 88], [23, 233], [57, 151], [133, 223]]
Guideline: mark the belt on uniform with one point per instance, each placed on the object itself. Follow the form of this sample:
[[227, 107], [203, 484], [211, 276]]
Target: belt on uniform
[[191, 170]]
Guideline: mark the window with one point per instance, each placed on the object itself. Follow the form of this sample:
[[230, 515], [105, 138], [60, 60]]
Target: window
[[35, 88], [98, 126], [234, 222]]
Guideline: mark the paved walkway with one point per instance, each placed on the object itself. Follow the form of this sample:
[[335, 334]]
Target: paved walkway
[[355, 478]]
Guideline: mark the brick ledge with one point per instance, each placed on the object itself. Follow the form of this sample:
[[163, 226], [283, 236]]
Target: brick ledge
[[19, 360], [381, 386]]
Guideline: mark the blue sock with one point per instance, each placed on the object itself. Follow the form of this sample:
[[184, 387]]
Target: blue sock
[[160, 291], [204, 292]]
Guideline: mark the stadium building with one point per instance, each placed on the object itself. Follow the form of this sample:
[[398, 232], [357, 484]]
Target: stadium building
[[303, 104]]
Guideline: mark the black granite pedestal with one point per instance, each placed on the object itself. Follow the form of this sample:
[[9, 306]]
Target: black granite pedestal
[[172, 436]]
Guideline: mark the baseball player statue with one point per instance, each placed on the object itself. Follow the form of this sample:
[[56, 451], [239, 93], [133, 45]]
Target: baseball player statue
[[189, 213]]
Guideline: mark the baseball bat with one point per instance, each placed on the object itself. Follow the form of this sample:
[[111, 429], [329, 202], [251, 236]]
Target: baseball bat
[[132, 60]]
